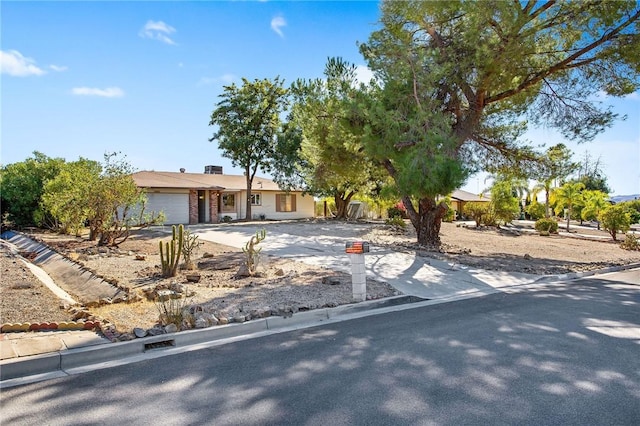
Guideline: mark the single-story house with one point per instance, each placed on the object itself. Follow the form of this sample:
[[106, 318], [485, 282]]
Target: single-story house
[[460, 197], [191, 198]]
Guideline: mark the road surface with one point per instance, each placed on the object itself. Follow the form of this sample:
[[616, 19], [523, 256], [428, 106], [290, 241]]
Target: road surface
[[556, 353]]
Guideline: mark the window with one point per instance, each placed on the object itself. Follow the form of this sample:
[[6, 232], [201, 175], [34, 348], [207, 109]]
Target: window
[[256, 199], [228, 202], [285, 202]]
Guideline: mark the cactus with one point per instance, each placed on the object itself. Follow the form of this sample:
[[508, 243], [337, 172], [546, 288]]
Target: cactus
[[172, 251], [251, 252], [189, 247]]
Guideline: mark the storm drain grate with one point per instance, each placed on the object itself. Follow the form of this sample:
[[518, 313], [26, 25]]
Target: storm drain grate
[[159, 345]]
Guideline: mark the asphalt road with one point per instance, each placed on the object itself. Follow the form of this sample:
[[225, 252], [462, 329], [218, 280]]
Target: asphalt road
[[559, 353]]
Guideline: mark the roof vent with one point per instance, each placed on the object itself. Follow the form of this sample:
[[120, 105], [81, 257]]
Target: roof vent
[[213, 170]]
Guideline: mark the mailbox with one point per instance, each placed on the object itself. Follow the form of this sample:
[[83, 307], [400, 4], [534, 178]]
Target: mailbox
[[357, 247]]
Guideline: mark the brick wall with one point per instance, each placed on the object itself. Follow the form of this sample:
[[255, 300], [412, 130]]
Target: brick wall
[[193, 207], [213, 206]]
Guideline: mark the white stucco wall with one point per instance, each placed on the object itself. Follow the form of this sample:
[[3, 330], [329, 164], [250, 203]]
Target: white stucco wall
[[305, 206]]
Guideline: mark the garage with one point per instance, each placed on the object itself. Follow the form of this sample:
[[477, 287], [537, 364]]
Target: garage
[[174, 205]]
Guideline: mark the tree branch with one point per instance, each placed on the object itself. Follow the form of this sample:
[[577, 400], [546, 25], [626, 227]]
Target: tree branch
[[564, 64]]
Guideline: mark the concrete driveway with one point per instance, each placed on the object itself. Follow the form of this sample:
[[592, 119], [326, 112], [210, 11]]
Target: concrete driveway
[[323, 244]]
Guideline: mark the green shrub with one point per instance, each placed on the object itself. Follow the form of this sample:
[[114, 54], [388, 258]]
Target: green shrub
[[631, 242], [633, 208], [476, 210], [535, 210], [450, 215], [396, 222], [395, 212], [546, 225], [615, 219]]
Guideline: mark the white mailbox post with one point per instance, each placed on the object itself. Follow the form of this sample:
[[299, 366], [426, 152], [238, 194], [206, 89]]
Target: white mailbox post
[[356, 251]]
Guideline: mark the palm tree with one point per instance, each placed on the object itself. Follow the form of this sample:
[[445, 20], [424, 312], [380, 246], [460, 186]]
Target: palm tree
[[568, 196], [546, 186]]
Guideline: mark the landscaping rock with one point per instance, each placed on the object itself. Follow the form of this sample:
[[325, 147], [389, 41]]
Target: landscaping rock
[[140, 332]]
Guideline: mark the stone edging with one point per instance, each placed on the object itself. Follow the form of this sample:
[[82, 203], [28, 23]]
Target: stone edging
[[49, 326]]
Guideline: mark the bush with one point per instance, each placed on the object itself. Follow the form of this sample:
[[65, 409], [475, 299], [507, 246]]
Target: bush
[[450, 215], [535, 210], [631, 242], [633, 208], [396, 222], [395, 212], [545, 225], [476, 210], [615, 219]]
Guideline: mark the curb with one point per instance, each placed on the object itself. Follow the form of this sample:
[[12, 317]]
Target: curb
[[29, 369], [576, 275]]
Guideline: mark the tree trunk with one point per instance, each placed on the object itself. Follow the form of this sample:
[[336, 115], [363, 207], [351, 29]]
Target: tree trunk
[[546, 204], [249, 179], [342, 203], [427, 220]]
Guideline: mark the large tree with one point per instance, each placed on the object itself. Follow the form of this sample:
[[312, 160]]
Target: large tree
[[66, 196], [21, 188], [332, 162], [460, 82], [590, 173], [248, 125], [115, 204]]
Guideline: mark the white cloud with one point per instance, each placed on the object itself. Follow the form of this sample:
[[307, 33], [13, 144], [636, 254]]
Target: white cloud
[[158, 30], [13, 63], [58, 68], [633, 96], [109, 92], [363, 74], [277, 23], [224, 79]]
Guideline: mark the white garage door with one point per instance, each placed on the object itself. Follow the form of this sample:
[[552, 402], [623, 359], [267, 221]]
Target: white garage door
[[174, 206]]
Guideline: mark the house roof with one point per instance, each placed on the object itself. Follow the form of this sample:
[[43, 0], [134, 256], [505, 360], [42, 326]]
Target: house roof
[[462, 195], [176, 180]]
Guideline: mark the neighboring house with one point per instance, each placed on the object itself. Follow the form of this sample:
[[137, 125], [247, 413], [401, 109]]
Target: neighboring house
[[459, 198], [191, 198]]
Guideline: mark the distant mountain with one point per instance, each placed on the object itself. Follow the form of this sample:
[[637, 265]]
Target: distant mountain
[[621, 198]]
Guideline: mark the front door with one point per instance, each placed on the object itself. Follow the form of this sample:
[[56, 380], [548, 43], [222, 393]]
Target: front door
[[202, 207]]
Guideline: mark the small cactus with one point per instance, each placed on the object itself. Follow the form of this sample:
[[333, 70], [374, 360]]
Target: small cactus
[[172, 251], [252, 254], [189, 247]]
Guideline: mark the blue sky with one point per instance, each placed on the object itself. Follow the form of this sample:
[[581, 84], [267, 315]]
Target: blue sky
[[80, 79]]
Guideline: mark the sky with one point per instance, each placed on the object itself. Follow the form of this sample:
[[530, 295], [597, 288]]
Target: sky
[[84, 78]]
